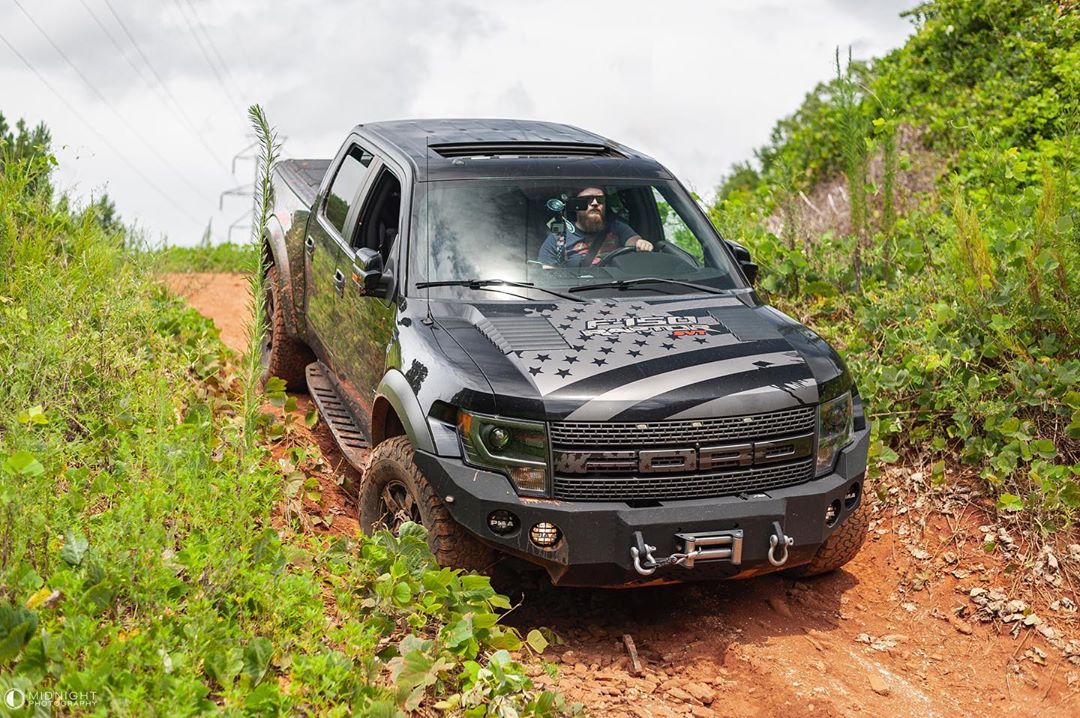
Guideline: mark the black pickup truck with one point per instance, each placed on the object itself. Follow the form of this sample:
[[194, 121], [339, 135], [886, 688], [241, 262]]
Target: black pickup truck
[[533, 342]]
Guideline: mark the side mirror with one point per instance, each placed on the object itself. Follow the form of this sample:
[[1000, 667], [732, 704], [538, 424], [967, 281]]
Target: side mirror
[[742, 256], [368, 274]]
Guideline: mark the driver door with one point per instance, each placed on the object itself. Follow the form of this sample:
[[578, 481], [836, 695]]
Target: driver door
[[328, 260], [366, 327]]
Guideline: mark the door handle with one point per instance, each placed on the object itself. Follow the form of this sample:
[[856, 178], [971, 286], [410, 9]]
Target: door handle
[[309, 245], [339, 282]]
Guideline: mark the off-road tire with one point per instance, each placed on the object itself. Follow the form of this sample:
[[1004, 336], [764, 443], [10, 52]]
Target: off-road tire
[[452, 544], [841, 546], [281, 355]]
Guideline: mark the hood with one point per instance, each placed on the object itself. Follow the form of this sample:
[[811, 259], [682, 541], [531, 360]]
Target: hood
[[642, 359]]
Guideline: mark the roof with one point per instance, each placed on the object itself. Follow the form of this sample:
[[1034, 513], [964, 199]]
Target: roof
[[464, 148]]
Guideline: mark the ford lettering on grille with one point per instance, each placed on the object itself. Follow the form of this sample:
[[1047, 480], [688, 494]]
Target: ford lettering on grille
[[684, 459]]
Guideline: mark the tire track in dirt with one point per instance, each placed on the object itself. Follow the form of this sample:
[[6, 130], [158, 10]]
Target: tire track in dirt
[[886, 635]]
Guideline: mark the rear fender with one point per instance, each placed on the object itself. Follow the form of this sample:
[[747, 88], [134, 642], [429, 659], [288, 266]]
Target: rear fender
[[275, 254]]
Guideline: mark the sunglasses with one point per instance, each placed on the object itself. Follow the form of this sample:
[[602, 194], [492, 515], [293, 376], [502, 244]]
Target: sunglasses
[[580, 203]]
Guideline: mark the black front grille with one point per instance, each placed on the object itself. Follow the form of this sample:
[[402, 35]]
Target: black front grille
[[577, 435], [693, 486]]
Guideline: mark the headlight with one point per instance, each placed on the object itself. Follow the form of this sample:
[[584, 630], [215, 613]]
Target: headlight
[[835, 430], [516, 448]]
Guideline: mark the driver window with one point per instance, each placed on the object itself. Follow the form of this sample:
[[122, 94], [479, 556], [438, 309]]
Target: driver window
[[346, 184], [676, 231], [378, 226]]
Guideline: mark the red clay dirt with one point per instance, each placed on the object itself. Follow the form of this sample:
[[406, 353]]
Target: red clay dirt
[[893, 633], [220, 296]]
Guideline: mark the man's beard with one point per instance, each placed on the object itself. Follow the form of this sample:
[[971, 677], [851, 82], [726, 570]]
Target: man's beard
[[590, 221]]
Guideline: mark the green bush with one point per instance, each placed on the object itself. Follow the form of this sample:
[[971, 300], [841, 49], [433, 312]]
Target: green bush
[[963, 335]]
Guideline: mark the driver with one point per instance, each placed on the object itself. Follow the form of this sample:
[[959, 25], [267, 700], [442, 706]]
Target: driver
[[594, 235]]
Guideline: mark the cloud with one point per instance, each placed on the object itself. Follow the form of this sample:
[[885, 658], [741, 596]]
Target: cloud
[[882, 15], [697, 85]]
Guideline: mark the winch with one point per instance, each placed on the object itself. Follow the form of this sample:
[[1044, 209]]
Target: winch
[[706, 546], [702, 546]]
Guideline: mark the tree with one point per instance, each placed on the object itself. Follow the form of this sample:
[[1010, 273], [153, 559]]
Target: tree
[[21, 145]]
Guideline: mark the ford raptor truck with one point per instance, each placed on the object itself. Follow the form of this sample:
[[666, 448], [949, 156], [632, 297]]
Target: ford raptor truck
[[533, 342]]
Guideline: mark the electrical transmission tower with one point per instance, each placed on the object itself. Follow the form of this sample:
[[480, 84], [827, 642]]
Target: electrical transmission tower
[[251, 152]]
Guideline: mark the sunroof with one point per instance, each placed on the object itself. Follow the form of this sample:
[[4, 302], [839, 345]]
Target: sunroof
[[524, 149]]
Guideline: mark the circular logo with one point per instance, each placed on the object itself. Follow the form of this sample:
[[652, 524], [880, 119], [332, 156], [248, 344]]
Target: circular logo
[[15, 698]]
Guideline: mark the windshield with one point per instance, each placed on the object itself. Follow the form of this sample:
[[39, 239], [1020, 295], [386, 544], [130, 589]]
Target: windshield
[[562, 234]]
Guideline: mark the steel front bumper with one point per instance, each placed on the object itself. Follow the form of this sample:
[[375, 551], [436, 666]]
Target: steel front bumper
[[597, 536]]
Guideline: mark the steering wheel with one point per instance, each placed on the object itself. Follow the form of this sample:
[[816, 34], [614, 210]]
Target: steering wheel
[[606, 259], [665, 247]]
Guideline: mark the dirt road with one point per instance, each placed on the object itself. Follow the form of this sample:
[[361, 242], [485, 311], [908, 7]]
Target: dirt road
[[897, 632], [222, 297]]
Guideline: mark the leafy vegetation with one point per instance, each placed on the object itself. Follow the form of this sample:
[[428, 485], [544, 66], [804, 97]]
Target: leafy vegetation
[[958, 310], [146, 564]]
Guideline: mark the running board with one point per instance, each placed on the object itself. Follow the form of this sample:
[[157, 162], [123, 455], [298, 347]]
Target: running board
[[349, 437]]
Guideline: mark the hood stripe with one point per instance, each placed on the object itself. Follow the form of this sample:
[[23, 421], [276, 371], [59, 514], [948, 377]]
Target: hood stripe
[[606, 405], [767, 398], [629, 371], [692, 396]]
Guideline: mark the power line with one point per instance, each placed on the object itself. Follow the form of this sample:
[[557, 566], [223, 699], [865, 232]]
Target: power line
[[165, 98], [206, 56], [213, 45], [106, 102], [138, 49], [75, 113]]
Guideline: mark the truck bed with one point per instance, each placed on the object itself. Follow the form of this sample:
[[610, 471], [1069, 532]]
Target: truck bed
[[303, 177]]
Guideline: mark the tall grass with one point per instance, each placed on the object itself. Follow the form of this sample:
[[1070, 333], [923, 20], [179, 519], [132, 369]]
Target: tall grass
[[223, 257], [269, 149], [853, 131], [972, 249]]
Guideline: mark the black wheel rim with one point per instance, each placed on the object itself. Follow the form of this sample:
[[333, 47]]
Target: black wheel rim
[[397, 505]]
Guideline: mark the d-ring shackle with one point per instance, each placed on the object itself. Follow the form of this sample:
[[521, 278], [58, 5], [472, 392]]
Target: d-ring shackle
[[779, 538]]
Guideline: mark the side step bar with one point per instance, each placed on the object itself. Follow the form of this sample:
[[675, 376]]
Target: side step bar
[[349, 437]]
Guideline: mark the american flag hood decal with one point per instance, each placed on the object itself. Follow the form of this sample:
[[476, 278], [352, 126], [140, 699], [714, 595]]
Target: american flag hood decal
[[622, 360]]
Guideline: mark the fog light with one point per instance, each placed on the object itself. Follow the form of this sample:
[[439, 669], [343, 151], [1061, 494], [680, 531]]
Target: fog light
[[852, 496], [502, 522], [544, 534], [832, 513]]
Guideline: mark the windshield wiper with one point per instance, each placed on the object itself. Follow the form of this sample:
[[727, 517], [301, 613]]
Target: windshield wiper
[[487, 283], [628, 283]]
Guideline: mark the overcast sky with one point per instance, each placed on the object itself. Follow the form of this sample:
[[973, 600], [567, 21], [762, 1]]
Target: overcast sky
[[149, 103]]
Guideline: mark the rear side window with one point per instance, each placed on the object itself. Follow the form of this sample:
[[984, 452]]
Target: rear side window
[[346, 185]]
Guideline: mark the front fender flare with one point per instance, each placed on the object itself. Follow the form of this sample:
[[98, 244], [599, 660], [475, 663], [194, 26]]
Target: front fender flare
[[395, 389]]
